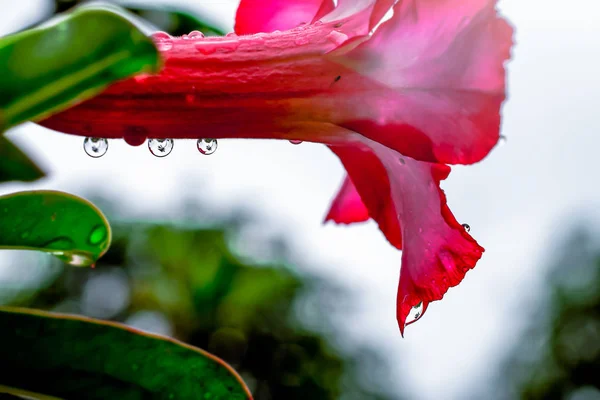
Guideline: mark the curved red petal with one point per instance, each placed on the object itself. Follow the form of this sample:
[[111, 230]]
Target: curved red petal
[[347, 206], [437, 250], [373, 185], [254, 16], [443, 63]]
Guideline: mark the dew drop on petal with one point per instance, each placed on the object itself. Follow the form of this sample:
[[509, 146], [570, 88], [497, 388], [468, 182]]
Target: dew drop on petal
[[164, 41], [295, 141], [337, 37], [231, 34], [160, 147], [467, 227], [415, 313], [195, 35], [207, 146], [95, 147]]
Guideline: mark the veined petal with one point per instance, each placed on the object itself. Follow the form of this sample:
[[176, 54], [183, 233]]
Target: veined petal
[[254, 16], [347, 206], [443, 63], [436, 250]]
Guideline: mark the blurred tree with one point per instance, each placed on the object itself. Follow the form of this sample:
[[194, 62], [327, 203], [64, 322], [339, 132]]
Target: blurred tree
[[558, 357], [184, 281]]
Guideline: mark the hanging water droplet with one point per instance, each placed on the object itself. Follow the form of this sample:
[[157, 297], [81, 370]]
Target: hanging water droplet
[[95, 147], [164, 41], [76, 259], [502, 140], [295, 141], [467, 227], [414, 314], [207, 146], [160, 147], [195, 35]]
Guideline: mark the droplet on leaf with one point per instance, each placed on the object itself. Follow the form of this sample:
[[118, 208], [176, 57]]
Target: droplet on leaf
[[98, 234], [467, 227], [207, 146], [160, 147], [95, 147]]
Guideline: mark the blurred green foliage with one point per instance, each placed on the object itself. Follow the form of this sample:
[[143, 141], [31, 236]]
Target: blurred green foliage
[[558, 356], [175, 21], [184, 280]]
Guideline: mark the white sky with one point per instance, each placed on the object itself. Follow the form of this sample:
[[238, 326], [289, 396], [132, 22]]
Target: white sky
[[517, 200]]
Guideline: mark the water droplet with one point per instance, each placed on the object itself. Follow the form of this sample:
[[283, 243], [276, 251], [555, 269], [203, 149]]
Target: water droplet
[[223, 46], [231, 34], [76, 259], [467, 227], [302, 40], [196, 35], [95, 147], [337, 37], [164, 41], [502, 140], [98, 235], [160, 147], [415, 313], [295, 141], [207, 146]]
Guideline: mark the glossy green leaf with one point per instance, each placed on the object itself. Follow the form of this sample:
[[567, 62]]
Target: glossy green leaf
[[15, 165], [67, 226], [79, 358], [50, 68]]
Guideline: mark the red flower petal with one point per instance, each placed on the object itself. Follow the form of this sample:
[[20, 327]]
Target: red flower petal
[[437, 250], [363, 166], [442, 61], [254, 16], [347, 207]]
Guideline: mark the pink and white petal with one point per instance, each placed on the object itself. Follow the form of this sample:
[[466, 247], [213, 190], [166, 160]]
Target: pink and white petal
[[358, 17], [254, 16], [347, 206], [437, 250], [445, 62]]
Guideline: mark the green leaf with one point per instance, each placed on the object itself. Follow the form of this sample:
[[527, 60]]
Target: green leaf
[[15, 165], [67, 226], [80, 358], [47, 69]]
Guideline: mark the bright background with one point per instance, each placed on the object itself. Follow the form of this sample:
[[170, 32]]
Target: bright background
[[519, 201]]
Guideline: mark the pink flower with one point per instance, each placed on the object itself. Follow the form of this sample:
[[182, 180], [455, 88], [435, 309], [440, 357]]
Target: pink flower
[[395, 104]]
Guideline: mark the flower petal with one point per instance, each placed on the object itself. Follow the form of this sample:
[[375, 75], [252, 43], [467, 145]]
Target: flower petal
[[437, 250], [347, 207], [358, 17], [374, 190], [254, 16], [442, 61]]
